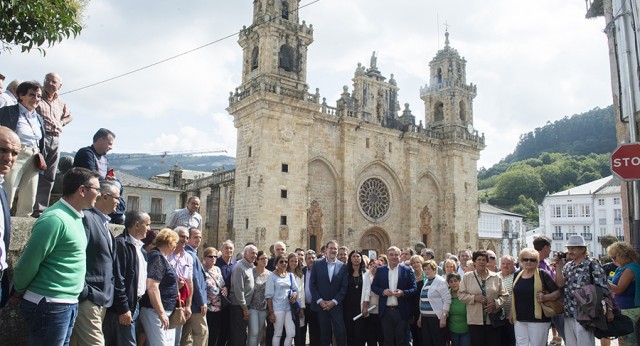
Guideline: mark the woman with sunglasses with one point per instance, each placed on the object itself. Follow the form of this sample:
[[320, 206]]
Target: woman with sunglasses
[[280, 292], [215, 293], [258, 303], [531, 325]]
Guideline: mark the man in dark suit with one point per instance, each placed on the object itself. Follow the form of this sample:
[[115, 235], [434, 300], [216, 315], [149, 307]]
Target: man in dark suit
[[328, 286], [9, 150], [98, 291], [395, 284]]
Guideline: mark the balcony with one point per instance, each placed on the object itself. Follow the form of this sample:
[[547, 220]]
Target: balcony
[[556, 236], [570, 234], [158, 218], [621, 238], [587, 236]]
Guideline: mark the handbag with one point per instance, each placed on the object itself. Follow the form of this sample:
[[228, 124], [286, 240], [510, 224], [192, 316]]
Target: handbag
[[178, 317], [551, 308], [39, 162], [295, 306], [498, 317]]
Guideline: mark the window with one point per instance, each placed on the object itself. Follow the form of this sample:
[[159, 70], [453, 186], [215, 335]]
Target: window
[[389, 146], [133, 203], [558, 229], [617, 216], [618, 231], [586, 229], [246, 223], [283, 193], [570, 211], [156, 213], [285, 167], [249, 151], [556, 211], [602, 221], [283, 220], [603, 231], [616, 200], [600, 201], [367, 143], [249, 181]]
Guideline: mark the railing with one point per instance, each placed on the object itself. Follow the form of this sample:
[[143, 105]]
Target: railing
[[587, 236], [570, 234], [556, 236], [158, 218]]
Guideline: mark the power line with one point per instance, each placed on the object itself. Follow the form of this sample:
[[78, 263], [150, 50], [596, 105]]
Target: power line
[[171, 58]]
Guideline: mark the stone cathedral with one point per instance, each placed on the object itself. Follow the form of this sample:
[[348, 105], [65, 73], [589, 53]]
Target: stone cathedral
[[361, 171]]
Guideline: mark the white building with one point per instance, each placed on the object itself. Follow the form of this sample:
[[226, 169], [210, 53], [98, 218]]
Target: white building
[[158, 200], [590, 210], [500, 230]]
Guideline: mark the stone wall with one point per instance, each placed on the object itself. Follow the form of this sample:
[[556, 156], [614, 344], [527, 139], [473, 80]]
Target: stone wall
[[14, 328]]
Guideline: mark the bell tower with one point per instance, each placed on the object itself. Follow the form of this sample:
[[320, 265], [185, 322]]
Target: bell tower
[[275, 45], [448, 99], [272, 111]]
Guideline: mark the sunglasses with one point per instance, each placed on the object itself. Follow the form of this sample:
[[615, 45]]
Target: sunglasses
[[211, 256], [530, 260], [281, 262], [492, 257]]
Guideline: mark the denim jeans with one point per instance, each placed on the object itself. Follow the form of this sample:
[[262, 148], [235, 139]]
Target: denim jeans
[[118, 334], [256, 325], [49, 323], [460, 339]]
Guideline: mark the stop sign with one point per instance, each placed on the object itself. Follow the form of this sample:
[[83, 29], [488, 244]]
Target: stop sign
[[625, 161]]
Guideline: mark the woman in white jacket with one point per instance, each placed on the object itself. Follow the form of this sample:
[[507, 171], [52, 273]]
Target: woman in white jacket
[[435, 300], [373, 326]]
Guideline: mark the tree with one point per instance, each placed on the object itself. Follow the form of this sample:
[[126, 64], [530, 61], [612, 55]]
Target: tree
[[520, 180], [34, 23]]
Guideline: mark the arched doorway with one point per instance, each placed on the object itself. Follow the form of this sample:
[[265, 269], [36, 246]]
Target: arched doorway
[[375, 239]]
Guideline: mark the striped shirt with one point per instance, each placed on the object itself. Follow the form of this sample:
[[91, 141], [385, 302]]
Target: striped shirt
[[182, 217], [52, 111], [425, 304]]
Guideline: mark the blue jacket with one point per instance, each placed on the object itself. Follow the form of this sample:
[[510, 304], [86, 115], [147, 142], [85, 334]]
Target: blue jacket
[[322, 288], [199, 281], [406, 283], [126, 275], [99, 281]]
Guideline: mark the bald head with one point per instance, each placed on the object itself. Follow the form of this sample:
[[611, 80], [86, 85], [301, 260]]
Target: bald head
[[13, 86], [52, 83], [9, 149]]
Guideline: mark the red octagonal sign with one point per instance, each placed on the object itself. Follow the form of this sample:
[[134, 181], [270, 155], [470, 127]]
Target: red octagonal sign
[[625, 161]]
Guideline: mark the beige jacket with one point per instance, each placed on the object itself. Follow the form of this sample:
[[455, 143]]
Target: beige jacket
[[469, 288]]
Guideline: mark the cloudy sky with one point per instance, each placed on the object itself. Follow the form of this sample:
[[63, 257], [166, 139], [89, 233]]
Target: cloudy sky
[[532, 61]]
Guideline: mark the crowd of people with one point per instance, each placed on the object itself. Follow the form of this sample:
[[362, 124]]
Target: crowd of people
[[76, 283]]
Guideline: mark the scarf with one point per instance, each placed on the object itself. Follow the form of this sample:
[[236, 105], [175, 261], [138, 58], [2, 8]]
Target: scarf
[[537, 287]]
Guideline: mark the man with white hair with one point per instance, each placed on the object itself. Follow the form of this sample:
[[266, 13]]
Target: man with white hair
[[182, 263], [279, 248], [8, 97], [242, 285]]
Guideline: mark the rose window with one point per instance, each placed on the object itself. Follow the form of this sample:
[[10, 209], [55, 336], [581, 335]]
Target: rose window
[[374, 198]]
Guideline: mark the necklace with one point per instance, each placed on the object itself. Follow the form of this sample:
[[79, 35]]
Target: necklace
[[358, 280]]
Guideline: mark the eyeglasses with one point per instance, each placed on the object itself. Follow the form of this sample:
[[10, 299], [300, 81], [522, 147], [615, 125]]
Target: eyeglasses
[[211, 256], [93, 188], [112, 196], [492, 257], [281, 262], [34, 95], [530, 260]]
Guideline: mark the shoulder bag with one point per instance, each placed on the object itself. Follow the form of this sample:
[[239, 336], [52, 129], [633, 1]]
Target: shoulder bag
[[551, 308], [178, 317], [498, 317]]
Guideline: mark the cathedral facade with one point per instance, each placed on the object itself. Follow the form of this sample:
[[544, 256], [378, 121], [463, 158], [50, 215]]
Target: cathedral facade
[[361, 171]]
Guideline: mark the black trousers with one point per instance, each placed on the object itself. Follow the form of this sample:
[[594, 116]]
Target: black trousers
[[312, 326], [395, 328], [432, 334], [484, 335]]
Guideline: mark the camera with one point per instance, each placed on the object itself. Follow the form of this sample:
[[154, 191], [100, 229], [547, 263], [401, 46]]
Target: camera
[[562, 255]]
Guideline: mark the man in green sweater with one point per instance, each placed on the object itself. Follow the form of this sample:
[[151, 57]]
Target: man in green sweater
[[50, 273]]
